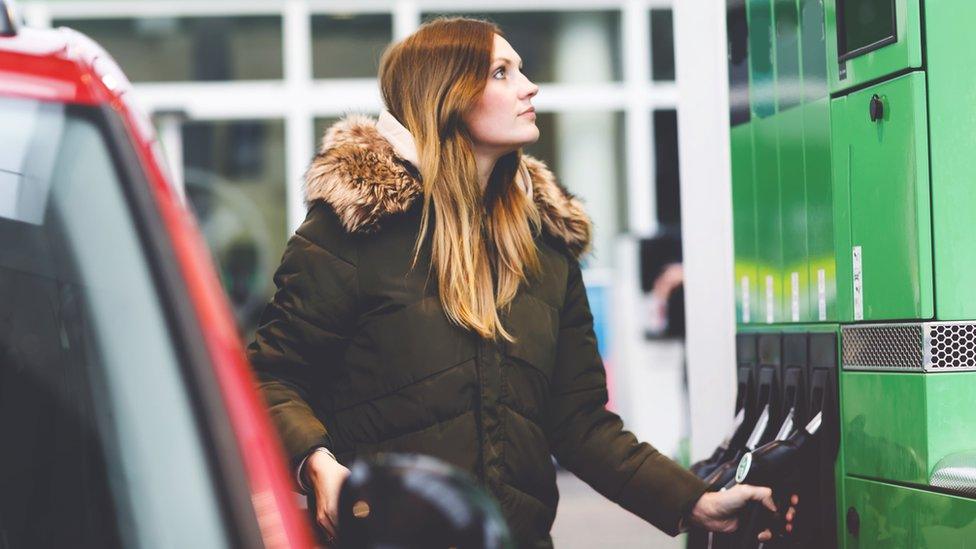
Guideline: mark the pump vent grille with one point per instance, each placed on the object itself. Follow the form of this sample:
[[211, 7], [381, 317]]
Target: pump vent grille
[[950, 346], [928, 347], [883, 347]]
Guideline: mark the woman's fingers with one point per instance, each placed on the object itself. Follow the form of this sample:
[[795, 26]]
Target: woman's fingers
[[765, 535], [790, 514], [327, 522], [748, 492], [795, 500], [327, 476], [765, 495]]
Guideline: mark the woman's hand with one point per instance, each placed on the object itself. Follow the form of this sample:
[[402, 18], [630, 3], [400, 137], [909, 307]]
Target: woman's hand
[[719, 511], [325, 475]]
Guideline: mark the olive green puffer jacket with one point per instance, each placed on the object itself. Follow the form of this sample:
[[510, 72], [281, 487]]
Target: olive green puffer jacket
[[354, 352]]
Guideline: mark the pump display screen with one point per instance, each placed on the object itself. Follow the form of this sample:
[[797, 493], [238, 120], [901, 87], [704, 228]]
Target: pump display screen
[[863, 26]]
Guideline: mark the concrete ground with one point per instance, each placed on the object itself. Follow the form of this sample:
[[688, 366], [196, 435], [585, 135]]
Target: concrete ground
[[587, 520]]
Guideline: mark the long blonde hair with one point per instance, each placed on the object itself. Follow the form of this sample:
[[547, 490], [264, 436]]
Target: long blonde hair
[[429, 81]]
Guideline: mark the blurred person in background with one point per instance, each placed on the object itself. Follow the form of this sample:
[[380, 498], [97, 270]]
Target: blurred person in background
[[432, 303]]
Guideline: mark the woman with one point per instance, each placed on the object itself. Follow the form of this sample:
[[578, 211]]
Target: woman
[[432, 303]]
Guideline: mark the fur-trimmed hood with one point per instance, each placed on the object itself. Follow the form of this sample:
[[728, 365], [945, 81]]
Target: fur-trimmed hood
[[366, 177]]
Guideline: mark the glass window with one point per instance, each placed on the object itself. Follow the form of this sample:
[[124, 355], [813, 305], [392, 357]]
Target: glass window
[[235, 182], [662, 45], [168, 49], [666, 181], [100, 446], [349, 46], [585, 151], [562, 46], [864, 25]]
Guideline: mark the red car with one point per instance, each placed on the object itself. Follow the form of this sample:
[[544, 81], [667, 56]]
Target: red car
[[128, 413]]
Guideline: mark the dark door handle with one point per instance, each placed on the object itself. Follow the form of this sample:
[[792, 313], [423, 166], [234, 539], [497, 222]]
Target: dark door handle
[[876, 108], [853, 522]]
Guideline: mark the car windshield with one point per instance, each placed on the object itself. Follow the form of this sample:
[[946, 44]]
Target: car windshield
[[101, 447]]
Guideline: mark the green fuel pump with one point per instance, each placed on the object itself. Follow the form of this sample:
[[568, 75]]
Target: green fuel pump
[[852, 167]]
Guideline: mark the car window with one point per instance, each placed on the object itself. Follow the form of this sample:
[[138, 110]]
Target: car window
[[100, 444]]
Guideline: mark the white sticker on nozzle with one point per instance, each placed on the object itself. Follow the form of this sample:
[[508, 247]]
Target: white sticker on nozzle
[[742, 471], [858, 285]]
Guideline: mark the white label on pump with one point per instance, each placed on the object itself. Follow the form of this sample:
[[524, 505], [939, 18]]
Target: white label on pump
[[858, 285], [770, 318], [742, 471], [822, 294], [795, 296], [746, 306]]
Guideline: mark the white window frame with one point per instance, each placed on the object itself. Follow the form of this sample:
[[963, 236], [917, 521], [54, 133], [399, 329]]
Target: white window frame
[[298, 98]]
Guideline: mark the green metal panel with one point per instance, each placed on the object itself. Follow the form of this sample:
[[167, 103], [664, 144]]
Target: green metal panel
[[881, 438], [744, 224], [905, 53], [820, 211], [897, 426], [882, 166], [822, 272], [950, 414], [795, 274], [896, 517], [769, 237], [841, 198], [952, 112], [762, 94]]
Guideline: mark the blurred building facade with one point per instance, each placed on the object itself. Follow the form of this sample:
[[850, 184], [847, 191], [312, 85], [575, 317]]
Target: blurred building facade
[[241, 92]]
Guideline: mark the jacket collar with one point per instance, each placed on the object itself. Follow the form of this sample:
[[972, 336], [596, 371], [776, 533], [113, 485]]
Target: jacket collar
[[367, 170]]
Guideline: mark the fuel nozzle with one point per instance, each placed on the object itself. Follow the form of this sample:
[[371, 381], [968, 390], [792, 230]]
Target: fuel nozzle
[[723, 452], [768, 464], [773, 465], [724, 473]]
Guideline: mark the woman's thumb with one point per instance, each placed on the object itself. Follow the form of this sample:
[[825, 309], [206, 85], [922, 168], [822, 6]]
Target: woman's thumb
[[761, 494]]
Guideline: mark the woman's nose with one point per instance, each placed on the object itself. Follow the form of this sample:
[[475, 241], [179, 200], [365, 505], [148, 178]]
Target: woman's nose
[[532, 89]]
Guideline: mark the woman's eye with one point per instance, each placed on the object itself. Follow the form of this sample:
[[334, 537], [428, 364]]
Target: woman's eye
[[499, 71]]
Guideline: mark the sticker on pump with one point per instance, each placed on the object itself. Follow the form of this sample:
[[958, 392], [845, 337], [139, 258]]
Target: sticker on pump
[[744, 465], [821, 294], [795, 296], [858, 284], [746, 305]]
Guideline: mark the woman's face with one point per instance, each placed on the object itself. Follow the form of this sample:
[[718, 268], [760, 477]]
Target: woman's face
[[503, 119]]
